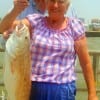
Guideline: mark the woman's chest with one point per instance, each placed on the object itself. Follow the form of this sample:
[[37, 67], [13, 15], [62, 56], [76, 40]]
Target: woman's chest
[[52, 40]]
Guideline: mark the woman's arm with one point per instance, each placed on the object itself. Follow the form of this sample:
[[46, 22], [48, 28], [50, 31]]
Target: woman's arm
[[85, 62], [9, 20]]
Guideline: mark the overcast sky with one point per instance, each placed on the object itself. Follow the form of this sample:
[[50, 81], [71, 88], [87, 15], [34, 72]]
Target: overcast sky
[[85, 8]]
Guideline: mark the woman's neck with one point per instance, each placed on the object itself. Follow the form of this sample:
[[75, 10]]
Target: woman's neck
[[57, 23]]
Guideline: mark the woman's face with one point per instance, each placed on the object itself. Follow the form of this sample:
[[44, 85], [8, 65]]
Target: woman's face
[[57, 8]]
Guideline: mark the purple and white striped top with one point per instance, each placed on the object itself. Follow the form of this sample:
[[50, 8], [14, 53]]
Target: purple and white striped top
[[52, 51]]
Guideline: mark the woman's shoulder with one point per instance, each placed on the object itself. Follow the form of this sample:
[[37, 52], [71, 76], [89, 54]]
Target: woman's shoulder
[[35, 16], [77, 28], [76, 22], [34, 19]]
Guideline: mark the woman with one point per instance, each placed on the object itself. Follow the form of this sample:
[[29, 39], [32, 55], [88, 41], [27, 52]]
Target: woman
[[55, 41], [35, 6]]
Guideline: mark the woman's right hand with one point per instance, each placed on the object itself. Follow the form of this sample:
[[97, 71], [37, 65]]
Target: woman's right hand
[[20, 5], [7, 33]]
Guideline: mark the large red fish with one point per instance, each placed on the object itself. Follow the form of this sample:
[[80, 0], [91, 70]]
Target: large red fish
[[17, 66]]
